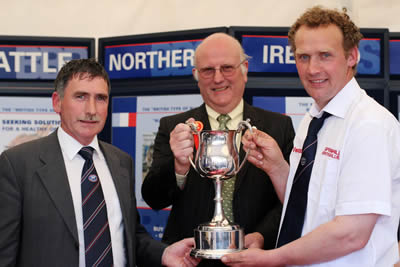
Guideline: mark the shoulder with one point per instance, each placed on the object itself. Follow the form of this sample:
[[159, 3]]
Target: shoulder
[[30, 148], [113, 150]]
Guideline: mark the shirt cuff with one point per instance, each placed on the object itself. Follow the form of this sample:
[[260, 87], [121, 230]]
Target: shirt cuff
[[181, 180]]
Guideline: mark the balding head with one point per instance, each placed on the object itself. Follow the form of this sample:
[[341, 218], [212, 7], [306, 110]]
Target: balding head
[[217, 60], [219, 37]]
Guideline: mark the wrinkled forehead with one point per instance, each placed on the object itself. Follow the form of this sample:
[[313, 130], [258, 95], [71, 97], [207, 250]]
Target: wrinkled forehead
[[216, 55], [217, 49]]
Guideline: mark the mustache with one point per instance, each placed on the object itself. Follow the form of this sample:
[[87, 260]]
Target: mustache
[[91, 118]]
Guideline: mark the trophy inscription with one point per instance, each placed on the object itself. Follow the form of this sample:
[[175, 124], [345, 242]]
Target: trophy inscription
[[217, 158]]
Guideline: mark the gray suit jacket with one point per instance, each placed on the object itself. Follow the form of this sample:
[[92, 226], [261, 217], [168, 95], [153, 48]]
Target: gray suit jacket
[[38, 226]]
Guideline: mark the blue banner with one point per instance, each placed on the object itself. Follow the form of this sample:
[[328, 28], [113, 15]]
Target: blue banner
[[394, 52], [370, 62], [36, 62], [272, 54], [269, 53], [150, 59]]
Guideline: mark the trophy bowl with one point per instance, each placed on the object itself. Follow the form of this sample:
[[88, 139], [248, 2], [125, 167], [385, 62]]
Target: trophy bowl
[[217, 158]]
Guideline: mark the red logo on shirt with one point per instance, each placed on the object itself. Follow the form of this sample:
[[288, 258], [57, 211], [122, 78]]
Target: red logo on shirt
[[297, 150], [332, 153]]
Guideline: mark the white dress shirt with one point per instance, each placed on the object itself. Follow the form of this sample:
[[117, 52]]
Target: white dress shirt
[[74, 165]]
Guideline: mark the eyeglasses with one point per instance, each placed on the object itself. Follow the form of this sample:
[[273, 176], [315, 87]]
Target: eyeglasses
[[226, 70]]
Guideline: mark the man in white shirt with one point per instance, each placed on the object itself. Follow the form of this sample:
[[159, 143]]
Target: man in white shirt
[[353, 200], [42, 203]]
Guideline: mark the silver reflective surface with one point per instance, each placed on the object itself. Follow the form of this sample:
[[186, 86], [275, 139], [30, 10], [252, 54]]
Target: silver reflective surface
[[217, 158], [214, 242]]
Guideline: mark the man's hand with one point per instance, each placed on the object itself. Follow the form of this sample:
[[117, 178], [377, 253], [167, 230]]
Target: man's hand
[[181, 142], [251, 257], [254, 240], [178, 254], [266, 155]]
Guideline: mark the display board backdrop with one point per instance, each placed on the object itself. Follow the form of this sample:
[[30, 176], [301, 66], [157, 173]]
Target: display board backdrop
[[273, 54], [135, 122], [294, 107], [39, 58], [25, 118]]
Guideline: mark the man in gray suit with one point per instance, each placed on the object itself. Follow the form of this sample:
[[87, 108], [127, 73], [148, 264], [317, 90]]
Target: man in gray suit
[[40, 188]]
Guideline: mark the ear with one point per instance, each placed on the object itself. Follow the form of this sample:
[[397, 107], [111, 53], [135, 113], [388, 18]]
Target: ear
[[56, 99], [353, 57], [245, 70], [195, 73]]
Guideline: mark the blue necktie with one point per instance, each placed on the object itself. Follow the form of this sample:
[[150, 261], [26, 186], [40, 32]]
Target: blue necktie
[[98, 251], [293, 221]]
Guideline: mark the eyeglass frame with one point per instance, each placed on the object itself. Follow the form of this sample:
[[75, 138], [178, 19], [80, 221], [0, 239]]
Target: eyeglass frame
[[221, 70]]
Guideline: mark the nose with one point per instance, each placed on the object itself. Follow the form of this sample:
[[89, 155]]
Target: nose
[[91, 106], [218, 76], [314, 66]]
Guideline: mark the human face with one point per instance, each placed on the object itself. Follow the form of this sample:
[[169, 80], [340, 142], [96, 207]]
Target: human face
[[221, 93], [83, 109], [322, 64]]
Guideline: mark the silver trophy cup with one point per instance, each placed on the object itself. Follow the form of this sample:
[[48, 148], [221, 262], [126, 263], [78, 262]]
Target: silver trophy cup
[[217, 157]]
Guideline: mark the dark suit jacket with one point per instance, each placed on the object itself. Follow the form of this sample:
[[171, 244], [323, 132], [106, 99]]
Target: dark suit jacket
[[256, 206], [38, 226]]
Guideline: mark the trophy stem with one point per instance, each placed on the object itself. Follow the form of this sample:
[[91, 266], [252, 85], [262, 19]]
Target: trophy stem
[[219, 218]]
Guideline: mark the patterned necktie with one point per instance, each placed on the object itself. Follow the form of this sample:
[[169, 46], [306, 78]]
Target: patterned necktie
[[98, 251], [293, 221], [229, 185]]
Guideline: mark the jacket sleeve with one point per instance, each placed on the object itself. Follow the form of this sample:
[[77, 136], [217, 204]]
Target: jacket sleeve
[[10, 213]]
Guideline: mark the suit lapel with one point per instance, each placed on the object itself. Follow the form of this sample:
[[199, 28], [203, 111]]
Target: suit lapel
[[55, 180], [201, 115], [122, 182]]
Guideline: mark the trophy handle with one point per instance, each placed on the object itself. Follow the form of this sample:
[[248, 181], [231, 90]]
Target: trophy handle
[[193, 127], [241, 126]]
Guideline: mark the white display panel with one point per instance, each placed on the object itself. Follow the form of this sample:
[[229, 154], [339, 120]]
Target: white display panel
[[25, 118]]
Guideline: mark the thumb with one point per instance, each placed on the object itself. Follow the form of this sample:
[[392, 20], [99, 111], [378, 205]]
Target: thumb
[[226, 259]]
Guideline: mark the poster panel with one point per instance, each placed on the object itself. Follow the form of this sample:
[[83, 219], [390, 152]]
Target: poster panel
[[35, 62], [394, 48], [135, 122], [25, 118], [293, 106], [146, 60]]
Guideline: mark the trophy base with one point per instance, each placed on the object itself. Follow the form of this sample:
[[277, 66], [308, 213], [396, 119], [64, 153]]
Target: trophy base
[[212, 242]]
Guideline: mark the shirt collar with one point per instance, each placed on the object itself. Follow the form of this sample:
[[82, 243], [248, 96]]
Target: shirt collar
[[70, 146], [340, 103], [236, 112]]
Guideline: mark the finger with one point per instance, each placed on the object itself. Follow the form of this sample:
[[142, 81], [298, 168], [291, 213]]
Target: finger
[[191, 261], [230, 259], [190, 120], [256, 162]]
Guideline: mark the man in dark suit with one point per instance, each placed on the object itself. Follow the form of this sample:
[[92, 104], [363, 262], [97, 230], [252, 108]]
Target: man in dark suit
[[40, 189], [221, 71]]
